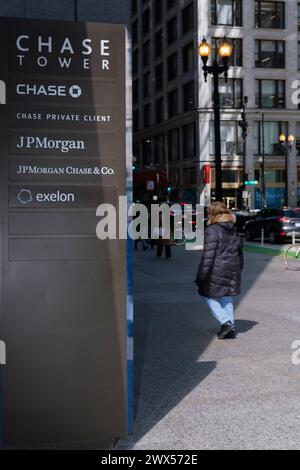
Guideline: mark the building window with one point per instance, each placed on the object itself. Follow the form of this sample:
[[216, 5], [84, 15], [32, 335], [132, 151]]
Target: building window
[[231, 140], [158, 43], [231, 93], [298, 55], [173, 144], [298, 16], [172, 67], [272, 131], [269, 15], [159, 150], [188, 97], [147, 115], [147, 81], [158, 11], [159, 105], [188, 18], [135, 61], [189, 140], [226, 12], [146, 153], [146, 54], [270, 54], [173, 103], [136, 120], [135, 91], [133, 7], [276, 176], [159, 77], [188, 57], [172, 30], [170, 4], [146, 21], [189, 176], [270, 93], [236, 59], [134, 32]]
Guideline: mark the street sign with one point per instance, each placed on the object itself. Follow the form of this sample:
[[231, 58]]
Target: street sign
[[63, 302], [245, 194]]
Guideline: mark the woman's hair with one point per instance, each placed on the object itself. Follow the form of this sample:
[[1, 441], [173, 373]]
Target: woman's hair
[[217, 208]]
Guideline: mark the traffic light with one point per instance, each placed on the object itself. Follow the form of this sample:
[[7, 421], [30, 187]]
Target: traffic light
[[133, 167], [251, 183]]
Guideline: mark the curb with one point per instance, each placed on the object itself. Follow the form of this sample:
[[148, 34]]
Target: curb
[[264, 251]]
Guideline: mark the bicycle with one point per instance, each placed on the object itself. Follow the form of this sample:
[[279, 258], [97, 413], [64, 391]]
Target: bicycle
[[292, 258]]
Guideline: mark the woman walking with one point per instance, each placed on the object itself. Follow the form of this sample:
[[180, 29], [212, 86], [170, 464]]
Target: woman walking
[[219, 273]]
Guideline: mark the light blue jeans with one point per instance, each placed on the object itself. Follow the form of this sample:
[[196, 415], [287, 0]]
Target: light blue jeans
[[222, 309]]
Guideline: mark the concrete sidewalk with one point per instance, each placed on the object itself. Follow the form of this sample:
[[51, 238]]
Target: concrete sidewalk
[[196, 392]]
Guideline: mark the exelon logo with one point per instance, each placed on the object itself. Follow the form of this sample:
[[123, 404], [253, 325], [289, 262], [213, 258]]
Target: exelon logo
[[25, 197]]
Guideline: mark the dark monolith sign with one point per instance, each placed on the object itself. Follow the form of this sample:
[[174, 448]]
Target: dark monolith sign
[[63, 291]]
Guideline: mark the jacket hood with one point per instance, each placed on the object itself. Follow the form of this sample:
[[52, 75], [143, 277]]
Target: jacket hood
[[226, 220]]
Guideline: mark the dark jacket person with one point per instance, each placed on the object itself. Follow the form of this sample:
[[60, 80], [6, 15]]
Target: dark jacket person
[[219, 273]]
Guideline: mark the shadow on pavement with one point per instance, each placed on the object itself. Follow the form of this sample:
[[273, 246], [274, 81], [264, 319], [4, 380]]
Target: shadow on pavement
[[243, 326]]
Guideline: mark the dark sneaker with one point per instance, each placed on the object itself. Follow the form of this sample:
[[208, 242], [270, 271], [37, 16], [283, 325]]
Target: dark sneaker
[[226, 329], [232, 335]]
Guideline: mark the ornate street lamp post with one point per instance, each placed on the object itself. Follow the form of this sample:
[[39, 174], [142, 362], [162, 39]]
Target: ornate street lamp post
[[225, 52], [287, 143]]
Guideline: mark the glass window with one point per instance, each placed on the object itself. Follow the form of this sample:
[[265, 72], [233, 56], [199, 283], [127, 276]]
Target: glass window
[[135, 91], [172, 67], [147, 82], [188, 97], [133, 7], [147, 115], [236, 60], [159, 43], [231, 93], [226, 12], [172, 30], [298, 55], [159, 150], [159, 104], [159, 77], [146, 54], [146, 21], [158, 11], [298, 15], [146, 152], [271, 133], [135, 26], [173, 103], [135, 61], [269, 54], [173, 144], [189, 140], [270, 93], [188, 18], [269, 15], [188, 57], [136, 120], [231, 140]]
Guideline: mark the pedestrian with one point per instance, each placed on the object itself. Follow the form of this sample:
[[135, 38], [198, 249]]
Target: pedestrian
[[219, 273], [164, 242]]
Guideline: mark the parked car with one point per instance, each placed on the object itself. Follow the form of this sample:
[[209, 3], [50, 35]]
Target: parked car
[[278, 224], [242, 218]]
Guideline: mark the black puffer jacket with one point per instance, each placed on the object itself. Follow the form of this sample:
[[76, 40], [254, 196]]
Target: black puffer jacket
[[219, 273]]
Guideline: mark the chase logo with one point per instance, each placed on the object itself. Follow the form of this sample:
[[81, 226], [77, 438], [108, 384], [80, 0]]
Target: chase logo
[[25, 196], [75, 91]]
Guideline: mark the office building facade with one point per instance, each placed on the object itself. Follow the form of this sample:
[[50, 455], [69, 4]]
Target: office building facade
[[173, 106]]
